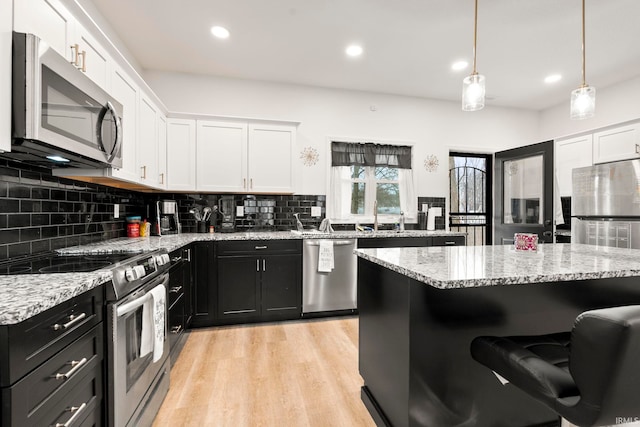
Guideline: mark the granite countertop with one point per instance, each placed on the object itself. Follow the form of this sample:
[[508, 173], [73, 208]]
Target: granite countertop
[[175, 241], [473, 266], [25, 295]]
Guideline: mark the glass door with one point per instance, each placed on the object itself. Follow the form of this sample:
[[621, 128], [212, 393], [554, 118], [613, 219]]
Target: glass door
[[524, 193]]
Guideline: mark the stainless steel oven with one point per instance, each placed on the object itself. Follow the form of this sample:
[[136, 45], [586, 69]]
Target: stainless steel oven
[[60, 116], [137, 385]]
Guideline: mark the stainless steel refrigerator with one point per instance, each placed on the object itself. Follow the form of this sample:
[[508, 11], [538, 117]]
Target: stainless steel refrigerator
[[606, 204]]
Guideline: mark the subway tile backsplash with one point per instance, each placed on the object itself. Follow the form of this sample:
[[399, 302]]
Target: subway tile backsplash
[[40, 212]]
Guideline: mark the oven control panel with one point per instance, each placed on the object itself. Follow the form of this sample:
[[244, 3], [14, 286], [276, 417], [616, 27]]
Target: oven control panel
[[135, 273]]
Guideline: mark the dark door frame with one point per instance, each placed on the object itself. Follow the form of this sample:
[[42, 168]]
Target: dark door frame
[[488, 190], [546, 150]]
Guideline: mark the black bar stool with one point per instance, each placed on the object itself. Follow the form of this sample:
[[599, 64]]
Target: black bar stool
[[589, 376]]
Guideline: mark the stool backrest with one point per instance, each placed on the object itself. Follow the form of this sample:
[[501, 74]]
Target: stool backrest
[[605, 360]]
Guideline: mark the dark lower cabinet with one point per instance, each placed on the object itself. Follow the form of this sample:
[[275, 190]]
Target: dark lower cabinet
[[407, 242], [203, 284], [179, 300], [238, 287], [53, 374], [259, 280]]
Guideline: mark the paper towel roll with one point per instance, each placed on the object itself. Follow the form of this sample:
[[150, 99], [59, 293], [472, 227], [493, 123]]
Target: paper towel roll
[[431, 219]]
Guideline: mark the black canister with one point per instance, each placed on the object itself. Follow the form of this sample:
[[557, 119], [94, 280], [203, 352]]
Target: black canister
[[202, 226], [422, 220]]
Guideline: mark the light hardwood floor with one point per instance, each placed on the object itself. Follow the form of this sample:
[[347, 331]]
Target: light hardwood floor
[[301, 373]]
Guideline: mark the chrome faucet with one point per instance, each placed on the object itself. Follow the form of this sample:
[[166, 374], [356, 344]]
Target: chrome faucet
[[375, 215], [299, 225], [401, 221]]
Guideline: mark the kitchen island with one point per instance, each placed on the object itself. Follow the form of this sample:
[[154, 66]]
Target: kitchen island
[[420, 308]]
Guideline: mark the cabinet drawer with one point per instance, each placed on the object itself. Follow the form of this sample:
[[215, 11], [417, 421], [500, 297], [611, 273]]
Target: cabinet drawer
[[259, 247], [41, 399], [448, 241], [32, 342], [176, 320], [394, 242]]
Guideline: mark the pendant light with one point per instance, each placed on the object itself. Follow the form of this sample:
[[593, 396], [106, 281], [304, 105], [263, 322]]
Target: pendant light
[[473, 85], [583, 99]]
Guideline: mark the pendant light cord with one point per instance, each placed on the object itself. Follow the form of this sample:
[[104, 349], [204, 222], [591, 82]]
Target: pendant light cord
[[475, 39], [584, 61]]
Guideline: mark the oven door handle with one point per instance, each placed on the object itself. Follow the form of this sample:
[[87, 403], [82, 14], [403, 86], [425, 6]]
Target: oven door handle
[[136, 303]]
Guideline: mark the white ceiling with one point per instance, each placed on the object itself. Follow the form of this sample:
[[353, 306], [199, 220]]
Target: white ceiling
[[409, 45]]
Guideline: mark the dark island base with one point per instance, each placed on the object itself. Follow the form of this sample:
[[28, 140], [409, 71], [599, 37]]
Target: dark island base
[[414, 345]]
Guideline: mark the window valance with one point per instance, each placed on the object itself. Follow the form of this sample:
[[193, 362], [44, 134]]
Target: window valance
[[370, 154]]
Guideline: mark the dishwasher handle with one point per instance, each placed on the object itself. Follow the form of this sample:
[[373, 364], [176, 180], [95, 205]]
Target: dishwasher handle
[[316, 242]]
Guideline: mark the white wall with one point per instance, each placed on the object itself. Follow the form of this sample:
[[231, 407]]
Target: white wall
[[614, 104], [434, 127]]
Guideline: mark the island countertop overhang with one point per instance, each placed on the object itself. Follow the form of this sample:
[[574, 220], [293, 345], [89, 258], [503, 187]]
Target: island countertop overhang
[[475, 266]]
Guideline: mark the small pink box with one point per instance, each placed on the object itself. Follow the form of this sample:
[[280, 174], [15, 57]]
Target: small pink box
[[525, 241]]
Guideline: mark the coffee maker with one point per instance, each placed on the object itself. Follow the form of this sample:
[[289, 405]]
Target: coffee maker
[[227, 209], [165, 218]]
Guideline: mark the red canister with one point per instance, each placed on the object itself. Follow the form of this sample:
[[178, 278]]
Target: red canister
[[133, 226]]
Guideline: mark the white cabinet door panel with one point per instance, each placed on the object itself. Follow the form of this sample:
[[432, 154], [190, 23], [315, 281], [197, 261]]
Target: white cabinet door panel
[[620, 143], [47, 19], [181, 155], [270, 161], [162, 151], [570, 154], [5, 74], [221, 156], [126, 92], [96, 60], [148, 143]]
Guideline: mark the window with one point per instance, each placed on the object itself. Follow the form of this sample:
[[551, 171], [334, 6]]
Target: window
[[363, 174]]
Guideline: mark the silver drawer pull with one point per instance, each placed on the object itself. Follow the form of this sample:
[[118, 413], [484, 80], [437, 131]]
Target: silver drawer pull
[[72, 319], [75, 365], [261, 247], [449, 243], [176, 329], [75, 410], [176, 259], [175, 289]]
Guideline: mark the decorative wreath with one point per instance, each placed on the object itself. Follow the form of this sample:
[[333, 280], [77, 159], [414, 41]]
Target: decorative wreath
[[513, 168], [309, 156], [431, 163]]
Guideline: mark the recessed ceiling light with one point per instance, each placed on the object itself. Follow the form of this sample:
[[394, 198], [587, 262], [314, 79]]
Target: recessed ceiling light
[[553, 78], [220, 32], [354, 50], [459, 65]]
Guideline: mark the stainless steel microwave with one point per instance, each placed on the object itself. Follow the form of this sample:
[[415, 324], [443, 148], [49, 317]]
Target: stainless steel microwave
[[60, 116]]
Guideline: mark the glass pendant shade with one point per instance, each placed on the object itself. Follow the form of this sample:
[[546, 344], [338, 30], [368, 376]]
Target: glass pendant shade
[[473, 91], [583, 103]]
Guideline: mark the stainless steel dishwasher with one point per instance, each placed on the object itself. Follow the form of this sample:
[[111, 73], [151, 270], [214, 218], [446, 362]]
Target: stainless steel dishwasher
[[336, 290]]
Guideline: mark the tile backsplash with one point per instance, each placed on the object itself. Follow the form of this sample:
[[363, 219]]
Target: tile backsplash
[[40, 212]]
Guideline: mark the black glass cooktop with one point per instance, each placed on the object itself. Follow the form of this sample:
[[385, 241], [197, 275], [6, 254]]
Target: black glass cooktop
[[54, 263]]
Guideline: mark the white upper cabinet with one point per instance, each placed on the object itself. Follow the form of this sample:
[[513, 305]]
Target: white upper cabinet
[[244, 157], [162, 151], [148, 143], [49, 20], [5, 74], [221, 156], [92, 59], [619, 143], [572, 153], [270, 158], [126, 92], [181, 155]]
